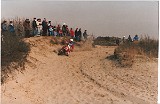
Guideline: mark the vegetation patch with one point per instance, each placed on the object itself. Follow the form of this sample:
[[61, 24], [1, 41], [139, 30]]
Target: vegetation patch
[[126, 53], [13, 54]]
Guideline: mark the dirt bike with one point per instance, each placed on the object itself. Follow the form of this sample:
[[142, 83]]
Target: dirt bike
[[65, 50]]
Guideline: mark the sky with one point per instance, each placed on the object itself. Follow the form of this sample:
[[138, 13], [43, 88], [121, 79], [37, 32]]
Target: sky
[[100, 18]]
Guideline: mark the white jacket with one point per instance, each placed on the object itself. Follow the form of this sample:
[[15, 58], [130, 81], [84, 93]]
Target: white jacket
[[39, 24]]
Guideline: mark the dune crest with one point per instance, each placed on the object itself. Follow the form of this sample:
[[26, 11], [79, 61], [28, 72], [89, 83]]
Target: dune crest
[[84, 77]]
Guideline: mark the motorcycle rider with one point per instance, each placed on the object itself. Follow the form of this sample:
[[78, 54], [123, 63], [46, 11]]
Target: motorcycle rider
[[71, 44], [67, 48]]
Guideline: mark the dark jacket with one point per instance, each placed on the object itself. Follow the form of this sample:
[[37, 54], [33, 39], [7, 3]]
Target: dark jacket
[[4, 27], [76, 33], [85, 34], [44, 25], [64, 28], [26, 25], [11, 28], [129, 38], [79, 33], [34, 24]]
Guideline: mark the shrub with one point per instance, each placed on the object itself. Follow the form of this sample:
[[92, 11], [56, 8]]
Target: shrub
[[125, 53], [149, 46], [13, 50]]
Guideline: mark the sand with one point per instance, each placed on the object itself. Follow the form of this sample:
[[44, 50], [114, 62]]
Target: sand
[[85, 77]]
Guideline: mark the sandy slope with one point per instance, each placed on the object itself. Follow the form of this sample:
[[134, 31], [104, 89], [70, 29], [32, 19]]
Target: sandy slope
[[85, 77]]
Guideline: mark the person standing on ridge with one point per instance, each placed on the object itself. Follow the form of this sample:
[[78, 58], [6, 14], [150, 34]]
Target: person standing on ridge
[[34, 26], [27, 28], [4, 26], [39, 27], [79, 35], [85, 35], [49, 28], [60, 32], [71, 33], [67, 31], [123, 39], [76, 34], [58, 29], [11, 28], [54, 31], [129, 38], [64, 30], [20, 29], [136, 38], [44, 27]]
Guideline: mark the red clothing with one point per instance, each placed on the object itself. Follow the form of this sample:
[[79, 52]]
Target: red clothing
[[72, 33], [58, 28], [60, 31]]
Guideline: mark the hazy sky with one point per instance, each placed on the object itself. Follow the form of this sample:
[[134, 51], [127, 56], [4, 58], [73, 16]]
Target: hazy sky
[[105, 18]]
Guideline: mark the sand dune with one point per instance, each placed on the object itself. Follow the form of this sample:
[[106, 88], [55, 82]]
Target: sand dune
[[85, 77]]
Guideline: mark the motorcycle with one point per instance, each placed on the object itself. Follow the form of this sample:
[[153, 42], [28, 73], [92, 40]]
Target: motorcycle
[[65, 50]]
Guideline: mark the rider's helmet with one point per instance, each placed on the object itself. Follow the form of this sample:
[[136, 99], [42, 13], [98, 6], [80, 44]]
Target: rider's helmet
[[71, 40]]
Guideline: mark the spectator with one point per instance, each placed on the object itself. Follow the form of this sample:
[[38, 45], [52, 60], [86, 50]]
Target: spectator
[[58, 29], [60, 33], [50, 31], [11, 27], [49, 27], [27, 29], [76, 34], [64, 29], [123, 39], [129, 38], [4, 26], [71, 33], [136, 38], [34, 26], [44, 27], [54, 31], [79, 35], [67, 31], [39, 27], [20, 29], [85, 34]]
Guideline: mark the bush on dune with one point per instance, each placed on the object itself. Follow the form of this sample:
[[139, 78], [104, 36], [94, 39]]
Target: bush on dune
[[13, 54], [127, 52], [149, 46]]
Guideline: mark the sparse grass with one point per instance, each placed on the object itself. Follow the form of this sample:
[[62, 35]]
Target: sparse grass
[[149, 46], [126, 53]]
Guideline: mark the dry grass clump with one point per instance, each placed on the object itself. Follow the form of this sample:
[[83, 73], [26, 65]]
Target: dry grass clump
[[13, 54], [149, 46], [126, 53], [125, 58]]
